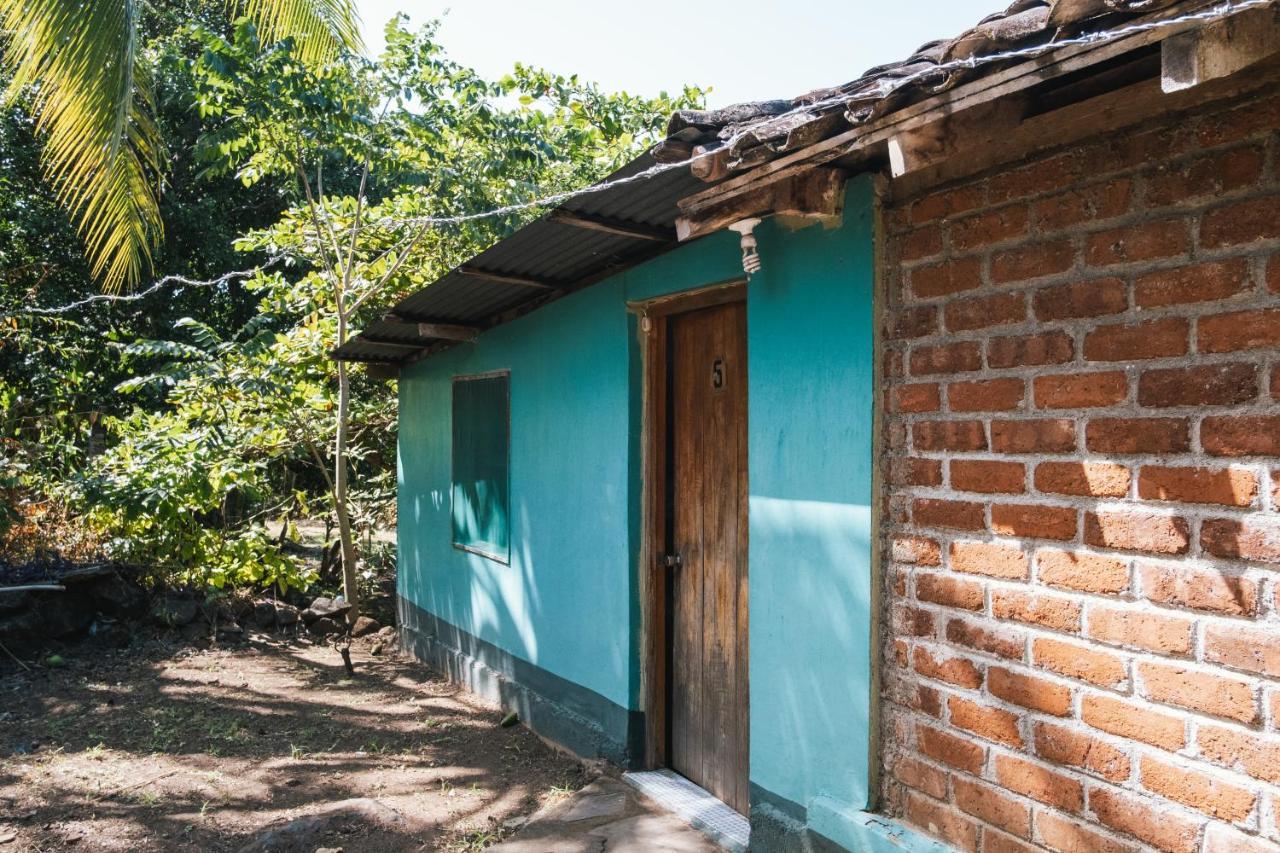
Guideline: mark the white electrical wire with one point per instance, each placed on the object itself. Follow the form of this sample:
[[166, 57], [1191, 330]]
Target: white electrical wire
[[885, 89]]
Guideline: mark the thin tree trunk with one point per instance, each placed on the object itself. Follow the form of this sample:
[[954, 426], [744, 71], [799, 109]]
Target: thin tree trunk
[[350, 581]]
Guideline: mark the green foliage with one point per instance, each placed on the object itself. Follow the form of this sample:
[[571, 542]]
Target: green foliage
[[221, 405]]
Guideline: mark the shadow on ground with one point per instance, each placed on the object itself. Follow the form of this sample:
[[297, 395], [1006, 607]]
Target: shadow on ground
[[166, 747]]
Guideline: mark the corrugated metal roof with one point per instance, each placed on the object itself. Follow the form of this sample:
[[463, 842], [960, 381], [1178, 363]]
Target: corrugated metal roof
[[555, 258]]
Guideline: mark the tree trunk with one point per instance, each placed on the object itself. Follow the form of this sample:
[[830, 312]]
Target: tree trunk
[[350, 581]]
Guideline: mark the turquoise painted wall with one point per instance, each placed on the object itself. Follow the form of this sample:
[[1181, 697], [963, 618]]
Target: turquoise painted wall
[[568, 600], [810, 363]]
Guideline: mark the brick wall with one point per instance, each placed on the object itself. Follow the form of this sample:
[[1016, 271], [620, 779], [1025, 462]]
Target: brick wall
[[1083, 502]]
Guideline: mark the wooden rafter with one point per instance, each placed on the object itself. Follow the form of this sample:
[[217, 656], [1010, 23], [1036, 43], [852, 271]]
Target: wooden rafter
[[607, 225]]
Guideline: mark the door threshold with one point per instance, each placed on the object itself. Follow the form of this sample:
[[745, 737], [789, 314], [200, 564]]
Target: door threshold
[[694, 805]]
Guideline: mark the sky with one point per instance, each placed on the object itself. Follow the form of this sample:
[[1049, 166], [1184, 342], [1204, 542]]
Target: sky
[[745, 50]]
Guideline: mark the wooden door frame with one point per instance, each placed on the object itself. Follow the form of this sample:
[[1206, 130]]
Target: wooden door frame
[[652, 328]]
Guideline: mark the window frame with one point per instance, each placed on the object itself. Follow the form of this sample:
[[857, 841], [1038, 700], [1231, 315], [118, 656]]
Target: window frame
[[503, 559]]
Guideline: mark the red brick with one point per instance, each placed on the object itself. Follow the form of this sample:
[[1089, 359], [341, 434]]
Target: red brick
[[992, 559], [1241, 222], [921, 243], [1138, 435], [912, 622], [949, 591], [1040, 783], [1029, 691], [948, 203], [1034, 521], [1199, 283], [992, 226], [1089, 479], [1255, 755], [916, 550], [948, 435], [921, 776], [1039, 177], [1080, 662], [1140, 818], [900, 653], [953, 670], [1214, 174], [961, 753], [1227, 486], [1220, 838], [894, 363], [1244, 435], [1239, 330], [942, 821], [957, 515], [915, 322], [920, 397], [1249, 119], [993, 806], [1135, 341], [1046, 435], [945, 278], [994, 841], [1081, 299], [1063, 745], [1254, 539], [1064, 836], [1081, 390], [983, 311], [915, 471], [1201, 385], [1100, 201], [958, 357], [1002, 643], [1240, 647], [1144, 241], [1119, 717], [1219, 695], [988, 476], [1273, 273], [1215, 797], [1199, 589], [1134, 530], [1035, 260], [1030, 350], [986, 395], [1083, 572], [991, 723], [1141, 629], [1047, 611]]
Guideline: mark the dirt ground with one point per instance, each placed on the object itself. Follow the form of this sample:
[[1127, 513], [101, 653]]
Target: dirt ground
[[267, 746]]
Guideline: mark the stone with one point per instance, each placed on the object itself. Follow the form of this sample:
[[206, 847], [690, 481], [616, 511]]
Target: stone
[[175, 612], [264, 615], [364, 625], [376, 649], [286, 615], [324, 626], [63, 614], [388, 631], [114, 596], [14, 602], [230, 632], [322, 608]]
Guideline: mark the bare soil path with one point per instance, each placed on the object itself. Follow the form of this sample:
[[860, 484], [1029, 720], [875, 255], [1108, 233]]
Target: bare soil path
[[265, 746]]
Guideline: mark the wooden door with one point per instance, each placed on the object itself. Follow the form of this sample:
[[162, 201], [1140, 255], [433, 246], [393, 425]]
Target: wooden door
[[708, 533]]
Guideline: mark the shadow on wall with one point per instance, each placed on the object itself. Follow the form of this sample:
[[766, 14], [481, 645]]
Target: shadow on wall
[[811, 650]]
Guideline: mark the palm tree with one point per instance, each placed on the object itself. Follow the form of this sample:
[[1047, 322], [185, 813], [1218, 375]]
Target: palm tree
[[82, 63]]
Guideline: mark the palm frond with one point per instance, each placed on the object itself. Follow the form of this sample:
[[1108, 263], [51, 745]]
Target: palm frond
[[321, 28], [82, 65]]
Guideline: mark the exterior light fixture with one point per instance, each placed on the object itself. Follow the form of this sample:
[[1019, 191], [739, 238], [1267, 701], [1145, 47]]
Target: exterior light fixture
[[750, 253]]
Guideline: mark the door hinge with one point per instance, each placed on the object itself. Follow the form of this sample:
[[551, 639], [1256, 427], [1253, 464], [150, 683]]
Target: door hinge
[[672, 561]]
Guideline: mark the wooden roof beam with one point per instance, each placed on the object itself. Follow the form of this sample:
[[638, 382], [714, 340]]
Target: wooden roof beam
[[505, 279], [607, 225], [816, 194], [426, 329], [1219, 49]]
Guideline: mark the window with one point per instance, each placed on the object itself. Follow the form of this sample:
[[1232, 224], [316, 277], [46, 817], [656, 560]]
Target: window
[[481, 447]]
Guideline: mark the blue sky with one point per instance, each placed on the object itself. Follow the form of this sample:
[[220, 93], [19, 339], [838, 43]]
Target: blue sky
[[745, 50]]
